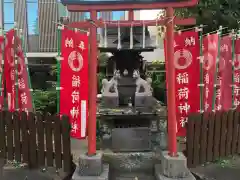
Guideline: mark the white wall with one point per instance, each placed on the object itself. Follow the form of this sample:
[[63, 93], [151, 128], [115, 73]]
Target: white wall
[[150, 15], [146, 15], [157, 54]]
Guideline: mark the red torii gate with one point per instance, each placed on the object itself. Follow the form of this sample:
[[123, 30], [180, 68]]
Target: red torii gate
[[94, 23]]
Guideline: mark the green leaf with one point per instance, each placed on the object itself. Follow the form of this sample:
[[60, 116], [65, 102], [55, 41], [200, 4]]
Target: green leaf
[[214, 13]]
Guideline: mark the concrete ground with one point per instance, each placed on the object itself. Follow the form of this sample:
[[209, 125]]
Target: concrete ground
[[225, 169]]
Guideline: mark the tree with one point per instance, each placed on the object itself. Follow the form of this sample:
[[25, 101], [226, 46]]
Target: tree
[[46, 100], [214, 13]]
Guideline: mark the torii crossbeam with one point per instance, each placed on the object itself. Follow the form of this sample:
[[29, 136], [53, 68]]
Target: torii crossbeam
[[128, 23]]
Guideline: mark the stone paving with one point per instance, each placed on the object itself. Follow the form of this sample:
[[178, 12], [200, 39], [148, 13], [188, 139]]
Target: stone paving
[[228, 169]]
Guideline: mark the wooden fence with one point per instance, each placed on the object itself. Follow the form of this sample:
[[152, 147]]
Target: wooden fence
[[35, 139], [211, 136]]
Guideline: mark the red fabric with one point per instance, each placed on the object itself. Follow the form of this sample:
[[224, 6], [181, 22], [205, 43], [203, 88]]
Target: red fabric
[[225, 74], [74, 82], [23, 88], [1, 73], [210, 52], [187, 72], [237, 75], [25, 96], [9, 70]]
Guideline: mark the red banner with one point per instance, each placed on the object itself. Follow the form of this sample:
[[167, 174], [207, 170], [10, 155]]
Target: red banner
[[237, 75], [74, 80], [225, 73], [9, 71], [25, 96], [186, 54], [210, 52], [14, 48], [1, 73]]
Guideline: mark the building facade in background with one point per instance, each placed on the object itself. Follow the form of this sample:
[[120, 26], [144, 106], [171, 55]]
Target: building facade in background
[[106, 15], [38, 20]]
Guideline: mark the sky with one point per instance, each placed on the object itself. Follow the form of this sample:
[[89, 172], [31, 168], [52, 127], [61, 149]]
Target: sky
[[32, 9]]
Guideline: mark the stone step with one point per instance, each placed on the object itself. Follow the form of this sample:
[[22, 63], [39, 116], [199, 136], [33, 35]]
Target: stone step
[[131, 162], [130, 176]]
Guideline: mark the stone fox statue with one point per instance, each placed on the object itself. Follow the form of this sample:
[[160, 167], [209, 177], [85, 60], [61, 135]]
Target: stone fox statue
[[109, 88], [143, 86]]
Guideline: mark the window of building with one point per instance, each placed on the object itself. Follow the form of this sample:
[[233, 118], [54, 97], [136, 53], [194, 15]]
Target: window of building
[[87, 15], [32, 17], [118, 15], [8, 14]]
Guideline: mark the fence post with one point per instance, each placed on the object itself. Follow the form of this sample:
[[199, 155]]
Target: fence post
[[57, 141], [49, 139], [17, 143], [25, 137], [32, 141], [66, 128], [9, 119], [2, 135], [190, 136], [40, 139]]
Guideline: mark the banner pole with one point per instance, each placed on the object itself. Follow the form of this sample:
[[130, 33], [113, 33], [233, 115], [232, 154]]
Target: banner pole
[[58, 88], [201, 68], [26, 63], [16, 67], [219, 32], [2, 66], [233, 68]]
